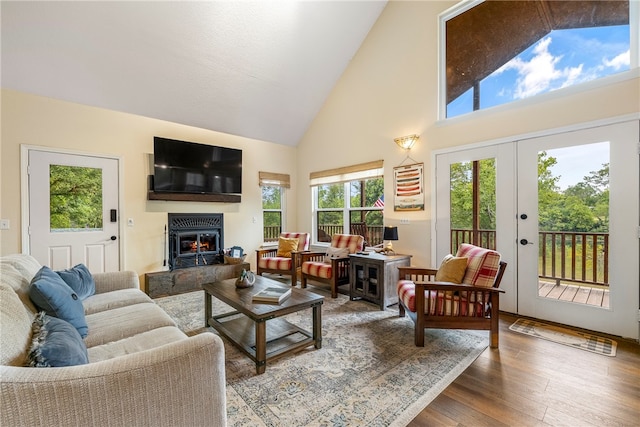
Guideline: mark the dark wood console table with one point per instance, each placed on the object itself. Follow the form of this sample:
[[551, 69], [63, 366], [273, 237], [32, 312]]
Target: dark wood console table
[[373, 277]]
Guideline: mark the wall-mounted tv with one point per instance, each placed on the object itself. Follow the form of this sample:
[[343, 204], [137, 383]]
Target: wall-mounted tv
[[189, 167]]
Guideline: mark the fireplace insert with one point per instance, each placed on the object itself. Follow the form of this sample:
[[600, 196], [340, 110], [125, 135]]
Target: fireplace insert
[[195, 240]]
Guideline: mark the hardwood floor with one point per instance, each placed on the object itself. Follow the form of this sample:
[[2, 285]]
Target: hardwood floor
[[529, 381]]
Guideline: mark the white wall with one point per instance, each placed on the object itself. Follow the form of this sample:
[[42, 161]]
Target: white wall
[[39, 121]]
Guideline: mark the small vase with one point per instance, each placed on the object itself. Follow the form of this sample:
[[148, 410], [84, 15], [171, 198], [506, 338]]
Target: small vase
[[243, 283], [246, 280]]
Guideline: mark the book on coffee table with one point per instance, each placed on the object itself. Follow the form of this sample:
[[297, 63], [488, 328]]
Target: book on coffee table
[[272, 295]]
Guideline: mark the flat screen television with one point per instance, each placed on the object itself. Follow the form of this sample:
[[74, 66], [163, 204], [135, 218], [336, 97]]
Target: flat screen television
[[189, 167]]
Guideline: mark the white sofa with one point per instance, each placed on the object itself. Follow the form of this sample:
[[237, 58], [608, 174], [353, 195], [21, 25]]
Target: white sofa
[[142, 369]]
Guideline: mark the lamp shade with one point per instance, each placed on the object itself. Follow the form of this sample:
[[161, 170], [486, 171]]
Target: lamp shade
[[390, 233]]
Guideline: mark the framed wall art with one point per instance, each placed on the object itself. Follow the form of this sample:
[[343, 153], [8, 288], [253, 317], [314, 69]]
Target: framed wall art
[[409, 187]]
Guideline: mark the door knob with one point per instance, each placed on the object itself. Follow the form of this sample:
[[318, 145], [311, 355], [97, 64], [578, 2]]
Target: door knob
[[113, 237], [523, 216], [525, 242]]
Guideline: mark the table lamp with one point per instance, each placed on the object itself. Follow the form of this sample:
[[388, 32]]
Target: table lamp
[[390, 233]]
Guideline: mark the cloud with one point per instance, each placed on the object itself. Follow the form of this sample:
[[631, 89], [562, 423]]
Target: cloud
[[622, 60], [541, 72]]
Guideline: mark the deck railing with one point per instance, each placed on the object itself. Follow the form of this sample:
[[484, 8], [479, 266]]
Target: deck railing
[[562, 256]]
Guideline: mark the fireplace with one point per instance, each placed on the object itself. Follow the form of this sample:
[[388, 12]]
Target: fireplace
[[195, 240]]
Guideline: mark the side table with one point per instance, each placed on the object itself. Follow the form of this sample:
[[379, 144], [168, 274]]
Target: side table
[[373, 277]]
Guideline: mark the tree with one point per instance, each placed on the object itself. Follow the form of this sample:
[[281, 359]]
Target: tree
[[75, 197]]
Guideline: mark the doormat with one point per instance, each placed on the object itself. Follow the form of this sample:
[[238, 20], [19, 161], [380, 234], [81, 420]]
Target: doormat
[[576, 339]]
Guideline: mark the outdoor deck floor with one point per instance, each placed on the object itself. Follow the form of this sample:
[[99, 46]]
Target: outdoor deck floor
[[575, 293]]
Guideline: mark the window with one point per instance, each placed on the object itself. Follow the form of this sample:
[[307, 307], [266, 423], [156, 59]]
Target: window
[[273, 186], [349, 201], [502, 51]]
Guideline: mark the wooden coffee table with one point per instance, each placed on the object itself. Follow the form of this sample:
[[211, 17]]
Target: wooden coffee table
[[247, 327]]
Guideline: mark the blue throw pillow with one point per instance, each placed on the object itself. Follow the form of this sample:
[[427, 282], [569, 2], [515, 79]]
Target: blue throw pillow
[[80, 280], [50, 294], [55, 343]]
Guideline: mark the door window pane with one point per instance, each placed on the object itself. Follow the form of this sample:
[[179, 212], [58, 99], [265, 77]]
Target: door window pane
[[75, 198], [473, 203], [573, 215]]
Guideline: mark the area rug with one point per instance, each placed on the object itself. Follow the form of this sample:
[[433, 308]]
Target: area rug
[[367, 373], [582, 340]]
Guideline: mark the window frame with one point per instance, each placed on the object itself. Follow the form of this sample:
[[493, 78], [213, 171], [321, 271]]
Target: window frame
[[281, 211], [347, 209], [465, 5]]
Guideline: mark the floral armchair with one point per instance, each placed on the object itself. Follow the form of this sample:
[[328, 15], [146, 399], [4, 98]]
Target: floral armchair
[[462, 294], [331, 266], [285, 258]]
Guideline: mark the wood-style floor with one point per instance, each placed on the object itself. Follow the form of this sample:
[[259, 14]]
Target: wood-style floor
[[590, 295], [529, 381]]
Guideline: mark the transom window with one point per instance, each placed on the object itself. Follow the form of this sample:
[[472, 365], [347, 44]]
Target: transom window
[[497, 52]]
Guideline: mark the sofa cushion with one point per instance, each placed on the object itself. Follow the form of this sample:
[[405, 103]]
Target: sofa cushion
[[124, 322], [275, 263], [49, 293], [27, 265], [80, 280], [451, 269], [482, 267], [317, 269], [136, 343], [20, 285], [114, 299], [286, 246], [15, 321], [303, 239], [55, 343]]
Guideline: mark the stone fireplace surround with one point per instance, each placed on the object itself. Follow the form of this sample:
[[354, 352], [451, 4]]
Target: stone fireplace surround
[[195, 245]]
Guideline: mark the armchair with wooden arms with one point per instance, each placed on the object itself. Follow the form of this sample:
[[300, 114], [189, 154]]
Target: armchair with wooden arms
[[472, 303], [283, 260], [332, 265]]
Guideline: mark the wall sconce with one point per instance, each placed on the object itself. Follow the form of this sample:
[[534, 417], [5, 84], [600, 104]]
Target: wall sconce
[[406, 142]]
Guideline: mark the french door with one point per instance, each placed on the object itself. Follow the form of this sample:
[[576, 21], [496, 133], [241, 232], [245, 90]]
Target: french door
[[73, 213], [552, 224], [578, 198], [478, 182]]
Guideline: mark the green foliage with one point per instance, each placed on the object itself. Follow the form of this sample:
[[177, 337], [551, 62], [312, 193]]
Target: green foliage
[[462, 195], [583, 207], [75, 197]]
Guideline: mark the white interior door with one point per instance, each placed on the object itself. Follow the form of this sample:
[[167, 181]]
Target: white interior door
[[579, 153], [73, 210]]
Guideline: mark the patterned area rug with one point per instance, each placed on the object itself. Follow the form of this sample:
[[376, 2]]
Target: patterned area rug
[[367, 373], [576, 339]]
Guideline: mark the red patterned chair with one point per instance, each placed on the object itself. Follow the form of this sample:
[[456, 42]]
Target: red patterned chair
[[283, 260], [331, 266], [460, 296]]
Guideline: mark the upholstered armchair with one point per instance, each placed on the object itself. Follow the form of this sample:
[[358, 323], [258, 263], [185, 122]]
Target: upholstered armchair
[[285, 258], [462, 294], [332, 265]]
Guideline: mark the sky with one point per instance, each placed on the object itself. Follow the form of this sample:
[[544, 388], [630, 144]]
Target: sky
[[574, 163], [562, 58]]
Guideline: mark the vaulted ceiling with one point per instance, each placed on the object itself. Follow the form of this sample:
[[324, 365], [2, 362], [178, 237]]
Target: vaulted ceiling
[[258, 69]]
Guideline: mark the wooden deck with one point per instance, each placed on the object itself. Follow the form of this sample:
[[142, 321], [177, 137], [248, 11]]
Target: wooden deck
[[598, 296]]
